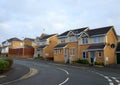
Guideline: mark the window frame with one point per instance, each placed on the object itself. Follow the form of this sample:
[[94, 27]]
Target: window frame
[[60, 51], [84, 40], [72, 51], [55, 51], [72, 39], [99, 54], [97, 39], [86, 55]]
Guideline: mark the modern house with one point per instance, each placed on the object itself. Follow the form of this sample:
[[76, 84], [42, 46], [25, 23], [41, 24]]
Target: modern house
[[67, 47], [98, 45], [25, 51], [10, 43], [45, 46], [29, 42]]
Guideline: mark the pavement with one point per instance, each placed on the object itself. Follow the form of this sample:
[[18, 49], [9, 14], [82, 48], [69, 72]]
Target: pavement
[[17, 71]]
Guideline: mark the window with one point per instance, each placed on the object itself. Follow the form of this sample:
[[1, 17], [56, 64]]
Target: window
[[55, 51], [60, 51], [85, 40], [99, 54], [72, 38], [72, 51], [97, 39], [84, 55], [62, 40]]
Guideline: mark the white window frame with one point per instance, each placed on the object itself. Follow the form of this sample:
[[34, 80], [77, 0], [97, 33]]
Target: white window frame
[[99, 52], [60, 51], [97, 39], [55, 51], [86, 56], [85, 40], [72, 39], [72, 51]]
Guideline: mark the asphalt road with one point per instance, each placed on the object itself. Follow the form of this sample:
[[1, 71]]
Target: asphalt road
[[59, 74]]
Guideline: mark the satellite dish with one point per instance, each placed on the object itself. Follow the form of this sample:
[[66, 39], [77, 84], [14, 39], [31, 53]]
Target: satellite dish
[[112, 45]]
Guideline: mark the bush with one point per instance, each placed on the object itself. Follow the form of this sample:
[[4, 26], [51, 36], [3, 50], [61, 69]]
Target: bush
[[4, 65], [99, 63], [10, 60], [82, 61]]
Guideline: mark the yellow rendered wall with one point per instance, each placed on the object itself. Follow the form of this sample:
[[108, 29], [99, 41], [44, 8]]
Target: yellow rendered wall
[[28, 42], [50, 48], [99, 59], [59, 57], [73, 45], [82, 48], [16, 43], [108, 51]]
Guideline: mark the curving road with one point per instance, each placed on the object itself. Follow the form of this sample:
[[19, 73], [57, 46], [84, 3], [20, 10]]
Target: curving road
[[59, 74]]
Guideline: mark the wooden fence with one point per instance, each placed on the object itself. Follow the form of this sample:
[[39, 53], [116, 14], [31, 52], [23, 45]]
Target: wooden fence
[[21, 52]]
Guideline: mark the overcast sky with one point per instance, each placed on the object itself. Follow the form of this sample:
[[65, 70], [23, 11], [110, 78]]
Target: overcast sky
[[30, 18]]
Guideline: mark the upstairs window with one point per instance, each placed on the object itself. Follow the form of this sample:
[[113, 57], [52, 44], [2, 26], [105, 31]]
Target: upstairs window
[[85, 40], [97, 39], [72, 38]]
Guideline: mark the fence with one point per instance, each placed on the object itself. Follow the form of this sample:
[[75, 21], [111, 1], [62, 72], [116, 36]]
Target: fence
[[21, 52]]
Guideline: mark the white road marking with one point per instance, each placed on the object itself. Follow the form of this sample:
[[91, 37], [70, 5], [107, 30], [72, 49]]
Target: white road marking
[[66, 73], [64, 70], [106, 77], [64, 81], [111, 84], [116, 80]]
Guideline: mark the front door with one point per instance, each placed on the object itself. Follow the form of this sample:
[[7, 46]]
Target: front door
[[92, 56], [66, 55], [118, 58]]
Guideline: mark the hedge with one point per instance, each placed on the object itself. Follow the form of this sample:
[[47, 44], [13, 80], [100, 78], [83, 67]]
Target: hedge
[[4, 65], [10, 60], [99, 63], [82, 61]]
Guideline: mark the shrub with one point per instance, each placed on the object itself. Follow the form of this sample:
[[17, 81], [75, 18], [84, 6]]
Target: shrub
[[99, 63], [10, 60], [4, 65], [82, 61]]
